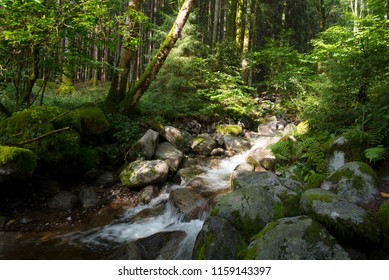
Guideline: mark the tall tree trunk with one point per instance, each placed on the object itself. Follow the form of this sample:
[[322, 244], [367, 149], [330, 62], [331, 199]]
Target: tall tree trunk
[[152, 69], [31, 80]]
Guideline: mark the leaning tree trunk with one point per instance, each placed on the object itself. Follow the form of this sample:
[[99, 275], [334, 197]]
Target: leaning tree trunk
[[141, 85]]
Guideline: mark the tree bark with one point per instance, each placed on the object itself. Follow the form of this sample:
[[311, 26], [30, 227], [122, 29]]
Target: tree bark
[[141, 85]]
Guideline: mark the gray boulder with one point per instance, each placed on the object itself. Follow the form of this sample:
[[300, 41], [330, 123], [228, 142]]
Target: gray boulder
[[295, 238], [248, 209], [203, 144], [251, 179], [63, 200], [142, 173], [89, 197], [170, 154], [309, 196], [354, 181], [147, 144], [217, 240], [174, 137], [236, 144], [188, 202]]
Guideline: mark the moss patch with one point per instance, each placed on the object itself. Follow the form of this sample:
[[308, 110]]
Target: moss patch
[[235, 130], [22, 159]]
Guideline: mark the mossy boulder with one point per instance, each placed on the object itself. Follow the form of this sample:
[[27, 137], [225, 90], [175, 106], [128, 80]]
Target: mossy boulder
[[295, 238], [252, 179], [248, 209], [232, 129], [314, 181], [203, 144], [16, 164], [142, 173], [217, 240], [355, 181], [93, 121], [383, 221], [311, 195]]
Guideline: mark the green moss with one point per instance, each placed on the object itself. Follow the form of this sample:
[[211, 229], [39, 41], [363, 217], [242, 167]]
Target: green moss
[[382, 217], [214, 211], [292, 206], [321, 197], [201, 251], [235, 130], [265, 230], [315, 181], [312, 234], [89, 158], [93, 121], [23, 159]]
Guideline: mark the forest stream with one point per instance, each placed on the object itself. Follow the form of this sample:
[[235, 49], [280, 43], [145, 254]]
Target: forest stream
[[132, 223]]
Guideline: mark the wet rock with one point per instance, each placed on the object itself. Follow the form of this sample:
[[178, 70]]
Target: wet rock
[[147, 194], [203, 144], [257, 155], [295, 238], [188, 202], [268, 163], [64, 200], [170, 154], [197, 184], [217, 240], [187, 173], [217, 152], [89, 197], [148, 213], [174, 137], [187, 142], [147, 144], [251, 179], [243, 167], [354, 181], [236, 144], [248, 209], [162, 245], [142, 173]]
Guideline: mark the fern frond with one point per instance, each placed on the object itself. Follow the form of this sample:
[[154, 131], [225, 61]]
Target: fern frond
[[375, 154]]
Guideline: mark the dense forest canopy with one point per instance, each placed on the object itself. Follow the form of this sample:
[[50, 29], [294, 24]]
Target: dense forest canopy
[[326, 60]]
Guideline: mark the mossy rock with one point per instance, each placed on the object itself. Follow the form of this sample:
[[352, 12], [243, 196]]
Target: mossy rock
[[16, 164], [234, 130], [217, 240], [355, 181], [248, 209], [383, 221], [252, 179], [309, 196], [90, 158], [295, 238], [93, 121], [314, 181]]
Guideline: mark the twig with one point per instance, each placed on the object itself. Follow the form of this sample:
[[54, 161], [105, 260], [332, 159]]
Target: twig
[[44, 136]]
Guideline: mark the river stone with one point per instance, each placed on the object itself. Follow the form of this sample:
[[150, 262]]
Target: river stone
[[147, 213], [295, 238], [232, 129], [161, 245], [203, 144], [170, 154], [174, 137], [147, 144], [187, 201], [63, 200], [236, 144], [251, 179], [354, 181], [217, 240], [142, 173], [187, 141], [89, 197], [256, 155], [186, 174], [147, 194], [105, 179], [248, 209], [346, 221]]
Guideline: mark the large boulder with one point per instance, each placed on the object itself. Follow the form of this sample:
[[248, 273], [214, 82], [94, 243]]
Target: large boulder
[[217, 240], [147, 144], [346, 221], [188, 202], [251, 179], [203, 144], [236, 144], [64, 200], [174, 137], [311, 195], [170, 154], [142, 173], [295, 238], [89, 197], [16, 164], [354, 181], [248, 209], [162, 245]]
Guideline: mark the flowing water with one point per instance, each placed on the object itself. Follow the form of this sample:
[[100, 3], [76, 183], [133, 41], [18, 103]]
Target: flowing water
[[99, 242]]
